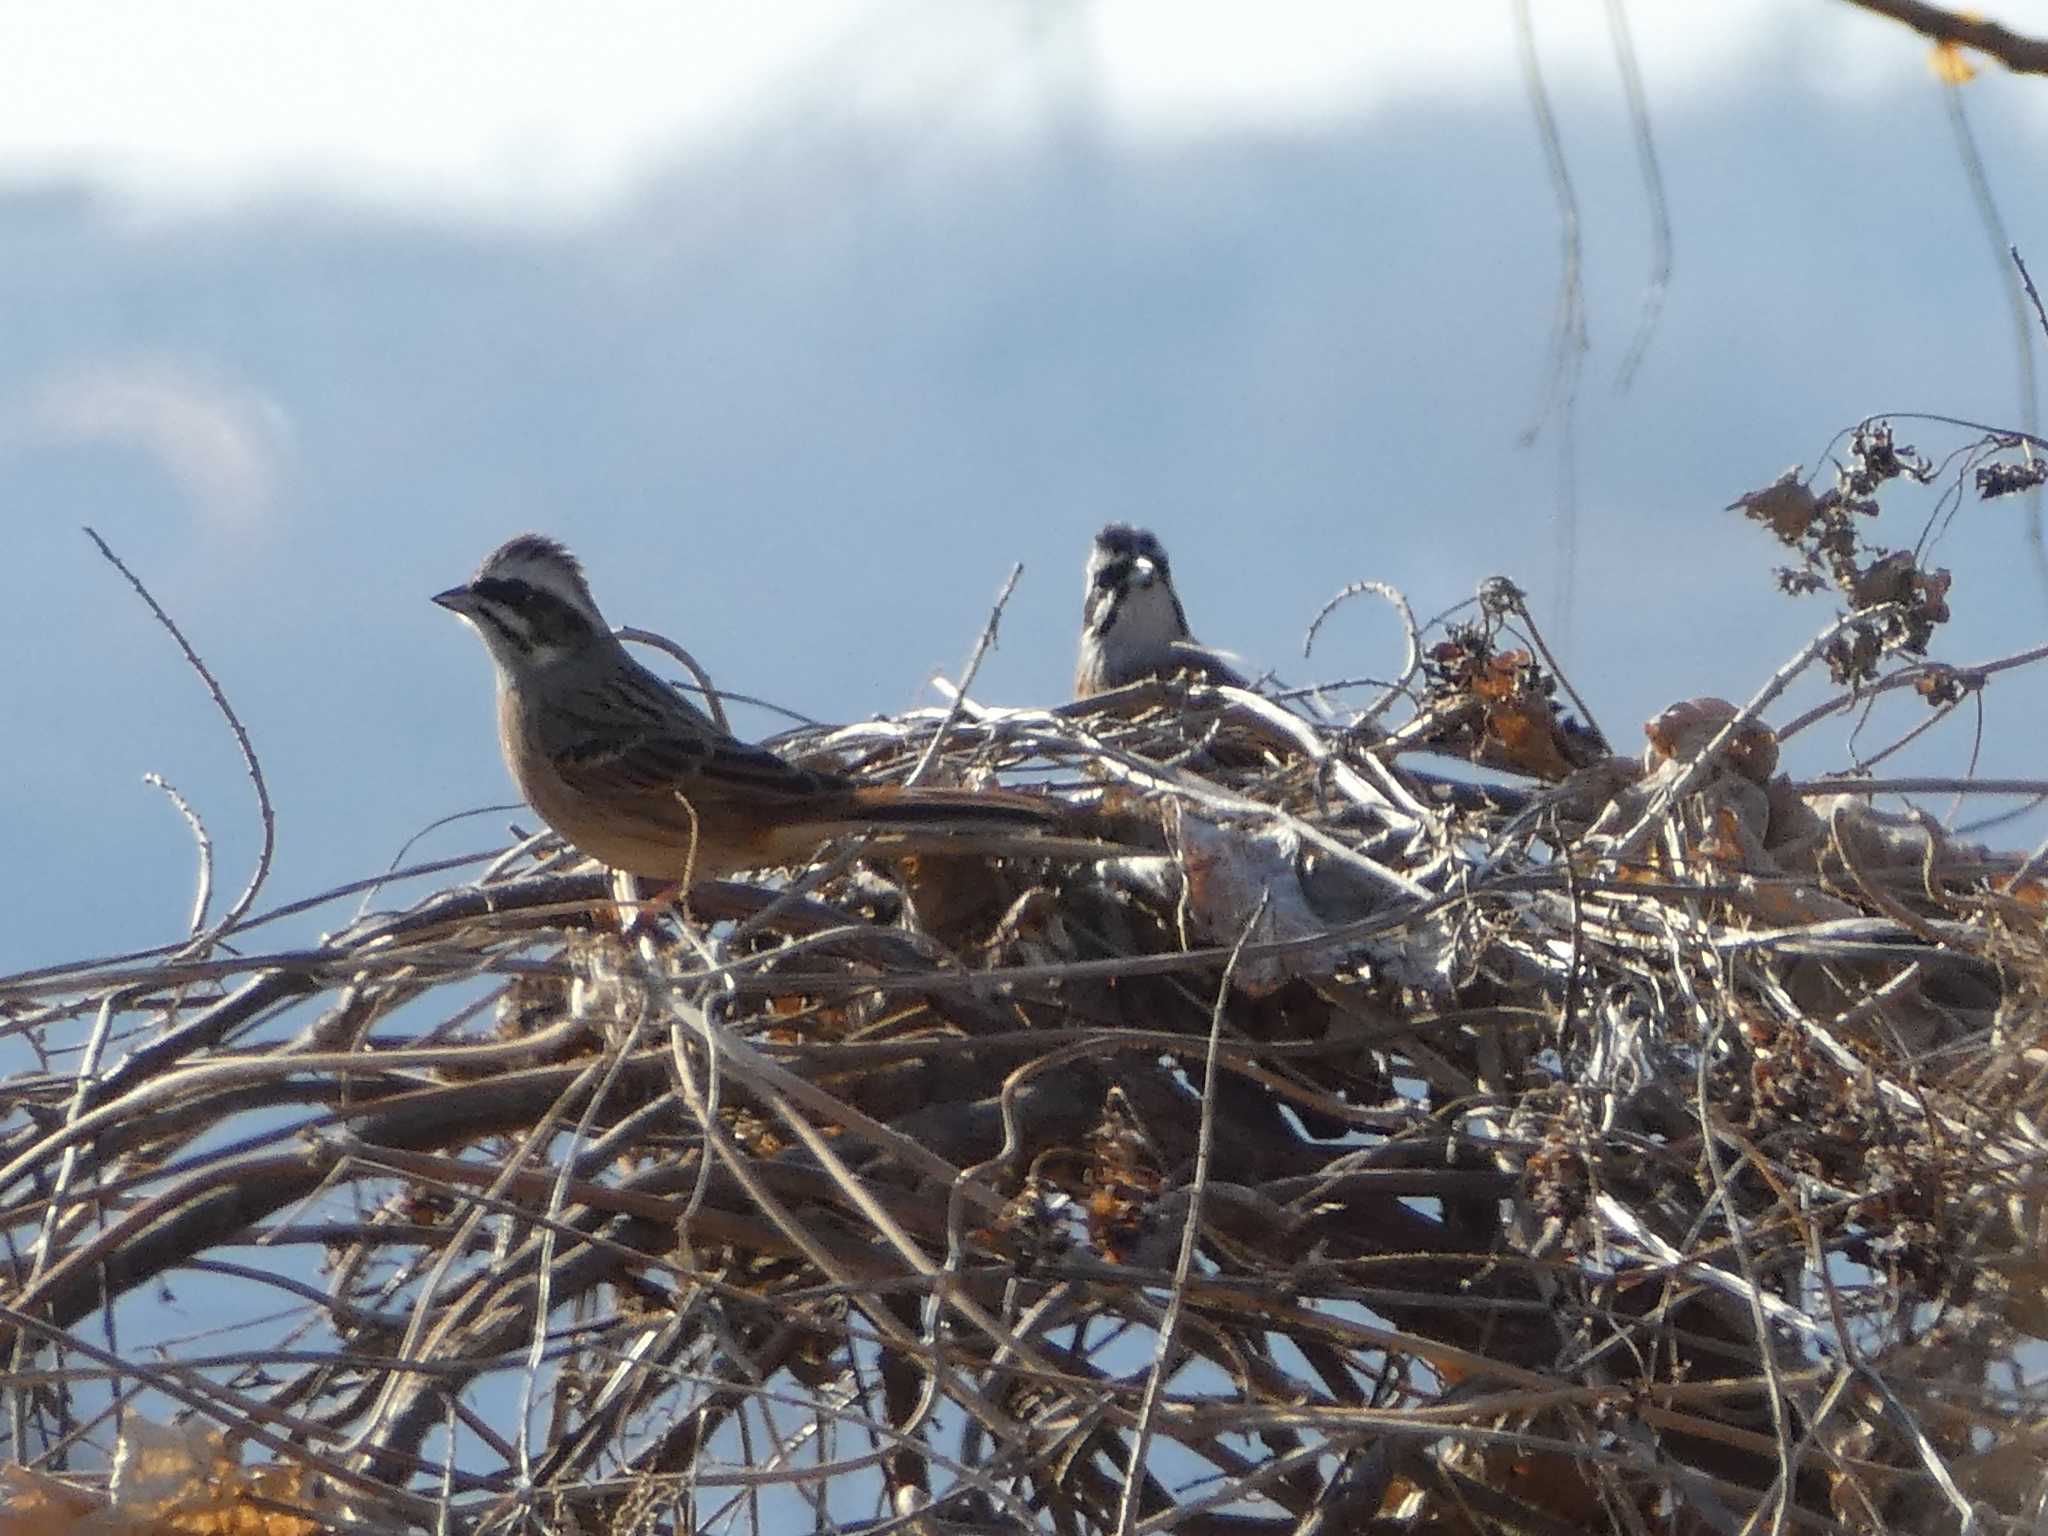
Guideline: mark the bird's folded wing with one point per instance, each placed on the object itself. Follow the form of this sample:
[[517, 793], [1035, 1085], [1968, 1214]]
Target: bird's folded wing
[[693, 764], [1208, 663]]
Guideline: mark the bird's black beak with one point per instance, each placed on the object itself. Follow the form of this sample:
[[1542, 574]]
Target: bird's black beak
[[457, 600]]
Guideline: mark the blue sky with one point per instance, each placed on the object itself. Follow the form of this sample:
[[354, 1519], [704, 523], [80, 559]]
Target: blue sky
[[803, 328]]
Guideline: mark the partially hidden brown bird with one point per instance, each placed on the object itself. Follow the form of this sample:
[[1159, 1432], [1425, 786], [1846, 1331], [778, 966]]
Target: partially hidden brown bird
[[635, 776]]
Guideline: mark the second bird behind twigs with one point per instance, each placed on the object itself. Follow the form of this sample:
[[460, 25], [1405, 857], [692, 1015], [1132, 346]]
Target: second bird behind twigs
[[1132, 624]]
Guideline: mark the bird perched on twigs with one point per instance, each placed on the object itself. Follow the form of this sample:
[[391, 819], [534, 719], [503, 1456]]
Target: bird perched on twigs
[[632, 774], [1132, 624]]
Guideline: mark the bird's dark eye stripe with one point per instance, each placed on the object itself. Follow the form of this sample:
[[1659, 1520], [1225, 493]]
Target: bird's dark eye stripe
[[1122, 539], [549, 613], [509, 590], [1115, 573]]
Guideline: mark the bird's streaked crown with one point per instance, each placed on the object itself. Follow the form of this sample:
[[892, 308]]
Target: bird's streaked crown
[[541, 565]]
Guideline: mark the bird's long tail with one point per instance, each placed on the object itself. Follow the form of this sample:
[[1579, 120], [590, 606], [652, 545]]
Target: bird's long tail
[[893, 805]]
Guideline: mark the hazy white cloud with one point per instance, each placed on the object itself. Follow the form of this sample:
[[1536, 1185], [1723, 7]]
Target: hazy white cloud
[[227, 448], [464, 104], [533, 108]]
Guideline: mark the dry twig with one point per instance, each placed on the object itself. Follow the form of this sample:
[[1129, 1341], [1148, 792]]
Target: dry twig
[[1658, 1149]]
